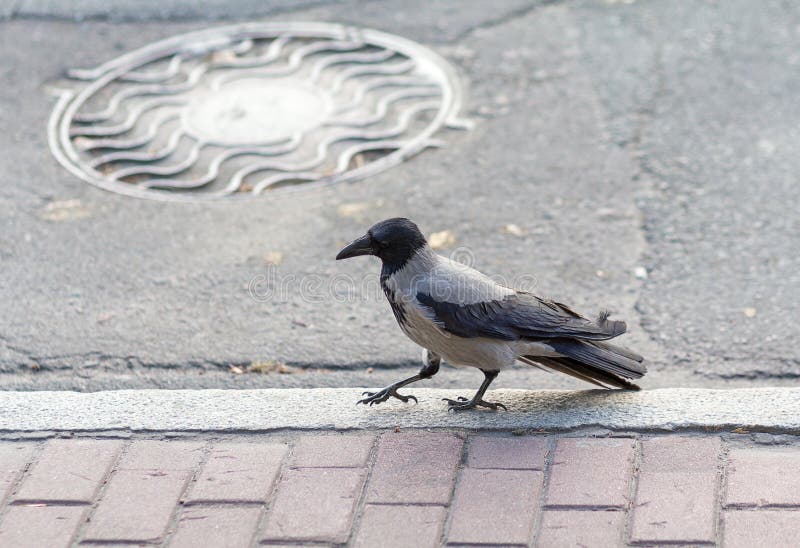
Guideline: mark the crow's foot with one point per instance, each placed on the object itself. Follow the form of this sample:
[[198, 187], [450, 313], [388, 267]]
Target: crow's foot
[[463, 403], [374, 398]]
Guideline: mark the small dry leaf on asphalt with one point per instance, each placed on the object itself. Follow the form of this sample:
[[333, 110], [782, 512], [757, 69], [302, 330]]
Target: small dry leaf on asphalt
[[513, 229], [352, 209], [442, 240], [235, 369], [740, 430], [64, 210], [273, 258], [749, 312], [271, 367]]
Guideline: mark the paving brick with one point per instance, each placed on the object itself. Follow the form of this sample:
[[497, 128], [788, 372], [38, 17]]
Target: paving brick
[[591, 472], [38, 526], [220, 527], [415, 467], [137, 505], [758, 477], [314, 504], [162, 455], [526, 452], [494, 506], [581, 528], [14, 457], [748, 528], [69, 470], [332, 450], [679, 453], [390, 526], [676, 493], [152, 471], [238, 472]]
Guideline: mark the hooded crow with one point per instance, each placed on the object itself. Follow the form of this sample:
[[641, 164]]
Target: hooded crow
[[462, 316]]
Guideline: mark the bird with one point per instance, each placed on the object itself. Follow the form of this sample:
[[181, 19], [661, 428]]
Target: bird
[[459, 315]]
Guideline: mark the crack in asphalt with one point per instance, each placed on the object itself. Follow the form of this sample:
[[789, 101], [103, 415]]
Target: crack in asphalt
[[88, 12], [508, 17]]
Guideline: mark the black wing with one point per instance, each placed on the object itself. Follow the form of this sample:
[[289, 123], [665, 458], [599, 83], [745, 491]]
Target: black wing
[[518, 316]]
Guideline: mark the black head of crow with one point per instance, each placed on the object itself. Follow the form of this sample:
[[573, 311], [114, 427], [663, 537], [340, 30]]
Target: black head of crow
[[462, 316]]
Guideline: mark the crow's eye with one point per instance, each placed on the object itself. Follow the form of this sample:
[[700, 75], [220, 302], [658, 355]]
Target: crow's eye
[[383, 245]]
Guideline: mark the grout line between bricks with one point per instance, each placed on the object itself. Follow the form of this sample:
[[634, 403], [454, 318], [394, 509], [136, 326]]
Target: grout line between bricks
[[225, 503], [461, 464], [547, 469], [627, 529], [406, 504], [270, 498], [49, 502], [586, 507], [177, 512], [361, 503], [750, 507], [38, 448], [81, 529], [721, 489]]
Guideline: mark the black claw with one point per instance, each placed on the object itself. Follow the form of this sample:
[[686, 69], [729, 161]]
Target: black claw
[[463, 403], [374, 398]]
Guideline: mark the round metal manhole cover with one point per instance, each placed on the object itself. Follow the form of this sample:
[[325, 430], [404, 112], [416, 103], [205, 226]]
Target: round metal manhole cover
[[251, 109]]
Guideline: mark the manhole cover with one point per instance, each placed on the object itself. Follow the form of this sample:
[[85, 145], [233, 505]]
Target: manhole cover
[[250, 109]]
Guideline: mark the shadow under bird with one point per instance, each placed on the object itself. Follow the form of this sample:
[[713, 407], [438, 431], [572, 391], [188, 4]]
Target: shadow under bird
[[462, 316]]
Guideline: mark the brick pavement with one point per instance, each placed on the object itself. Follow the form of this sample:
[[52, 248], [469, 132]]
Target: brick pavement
[[410, 488]]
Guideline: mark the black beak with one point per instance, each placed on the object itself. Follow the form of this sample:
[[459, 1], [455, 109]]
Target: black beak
[[362, 246]]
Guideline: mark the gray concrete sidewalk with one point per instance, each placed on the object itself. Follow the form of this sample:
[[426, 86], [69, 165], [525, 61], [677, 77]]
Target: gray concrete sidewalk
[[649, 139], [758, 409]]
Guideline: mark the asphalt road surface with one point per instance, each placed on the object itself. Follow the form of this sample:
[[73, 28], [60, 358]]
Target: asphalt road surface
[[645, 152]]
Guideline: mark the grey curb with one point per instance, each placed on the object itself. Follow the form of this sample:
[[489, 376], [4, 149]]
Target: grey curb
[[762, 409]]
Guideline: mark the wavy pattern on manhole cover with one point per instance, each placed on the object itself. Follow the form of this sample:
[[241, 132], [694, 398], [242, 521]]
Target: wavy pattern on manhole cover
[[251, 109]]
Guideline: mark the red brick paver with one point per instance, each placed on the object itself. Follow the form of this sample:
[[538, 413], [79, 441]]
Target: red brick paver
[[581, 528], [141, 496], [591, 472], [332, 451], [69, 471], [392, 526], [137, 506], [315, 504], [238, 472], [764, 476], [495, 506], [748, 528], [415, 467], [675, 499], [517, 452], [14, 458], [38, 526], [220, 527], [409, 488]]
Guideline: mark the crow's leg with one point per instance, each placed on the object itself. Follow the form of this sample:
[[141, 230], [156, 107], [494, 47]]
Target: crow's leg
[[477, 400], [429, 369]]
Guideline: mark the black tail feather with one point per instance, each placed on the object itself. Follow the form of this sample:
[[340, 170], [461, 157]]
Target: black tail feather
[[580, 371], [605, 358]]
